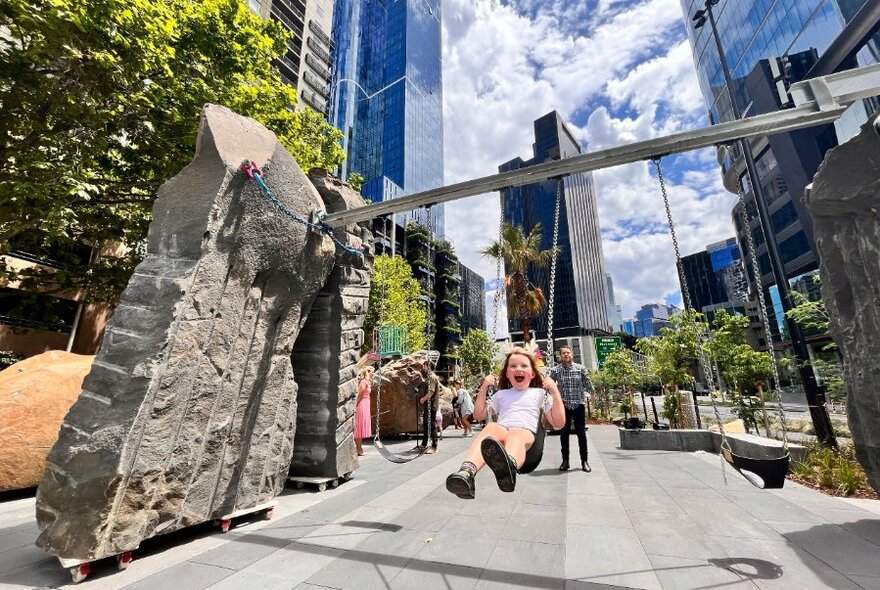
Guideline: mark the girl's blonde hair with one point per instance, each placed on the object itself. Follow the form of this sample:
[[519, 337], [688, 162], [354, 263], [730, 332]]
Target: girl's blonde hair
[[537, 378], [366, 370]]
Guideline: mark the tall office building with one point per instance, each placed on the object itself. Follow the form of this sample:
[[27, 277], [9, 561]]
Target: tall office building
[[387, 98], [716, 279], [306, 64], [651, 319], [615, 311], [768, 46], [473, 300], [581, 300]]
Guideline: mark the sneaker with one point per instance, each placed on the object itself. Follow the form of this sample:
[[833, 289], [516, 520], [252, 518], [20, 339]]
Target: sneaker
[[431, 451], [501, 464], [461, 484]]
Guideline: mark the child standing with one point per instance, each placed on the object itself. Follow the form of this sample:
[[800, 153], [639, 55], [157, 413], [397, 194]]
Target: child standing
[[518, 403]]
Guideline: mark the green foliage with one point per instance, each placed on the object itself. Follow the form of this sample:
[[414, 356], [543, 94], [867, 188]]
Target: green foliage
[[476, 352], [9, 358], [671, 406], [746, 367], [809, 314], [673, 354], [356, 180], [836, 470], [619, 370], [101, 103], [394, 300], [747, 408]]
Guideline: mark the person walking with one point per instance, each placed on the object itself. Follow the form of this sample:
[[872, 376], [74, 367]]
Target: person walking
[[466, 407], [362, 424], [428, 400], [574, 383]]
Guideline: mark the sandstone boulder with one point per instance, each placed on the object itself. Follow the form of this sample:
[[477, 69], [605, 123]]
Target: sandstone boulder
[[35, 395], [401, 381], [189, 411], [843, 203]]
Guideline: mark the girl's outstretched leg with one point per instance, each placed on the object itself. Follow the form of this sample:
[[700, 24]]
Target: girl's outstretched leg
[[461, 483], [505, 457]]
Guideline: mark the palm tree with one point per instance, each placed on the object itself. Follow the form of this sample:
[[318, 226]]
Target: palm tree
[[520, 251]]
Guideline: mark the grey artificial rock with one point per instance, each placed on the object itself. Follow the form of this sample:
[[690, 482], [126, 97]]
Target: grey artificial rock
[[844, 203], [188, 413]]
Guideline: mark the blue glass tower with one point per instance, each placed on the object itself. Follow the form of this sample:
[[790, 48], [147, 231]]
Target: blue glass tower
[[387, 97], [768, 45]]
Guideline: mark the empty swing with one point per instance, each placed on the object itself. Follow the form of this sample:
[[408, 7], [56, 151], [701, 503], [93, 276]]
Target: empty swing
[[763, 473]]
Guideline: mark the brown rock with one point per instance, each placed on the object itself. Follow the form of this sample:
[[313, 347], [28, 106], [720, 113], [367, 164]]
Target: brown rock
[[35, 395], [401, 382]]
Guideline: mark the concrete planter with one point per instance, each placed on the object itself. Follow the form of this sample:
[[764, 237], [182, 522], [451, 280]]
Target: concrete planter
[[687, 440]]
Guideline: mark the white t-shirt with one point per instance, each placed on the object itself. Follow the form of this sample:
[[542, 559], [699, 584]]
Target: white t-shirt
[[520, 409], [465, 403]]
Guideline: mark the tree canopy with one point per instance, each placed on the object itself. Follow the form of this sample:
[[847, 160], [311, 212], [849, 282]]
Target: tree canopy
[[395, 299], [476, 352], [101, 103], [673, 354], [520, 251]]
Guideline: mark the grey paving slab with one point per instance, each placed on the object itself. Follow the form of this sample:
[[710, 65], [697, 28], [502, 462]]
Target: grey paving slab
[[673, 535], [539, 524], [725, 519], [436, 576], [452, 546], [248, 579], [779, 564], [600, 511], [295, 563], [842, 550], [678, 572], [769, 507], [193, 576], [868, 583], [516, 563], [241, 552], [608, 555]]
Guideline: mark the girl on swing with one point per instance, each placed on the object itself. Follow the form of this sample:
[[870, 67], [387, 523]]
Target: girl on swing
[[518, 403]]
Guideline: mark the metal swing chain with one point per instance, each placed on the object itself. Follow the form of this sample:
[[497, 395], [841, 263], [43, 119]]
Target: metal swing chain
[[756, 269], [379, 371], [704, 362], [551, 356], [497, 298]]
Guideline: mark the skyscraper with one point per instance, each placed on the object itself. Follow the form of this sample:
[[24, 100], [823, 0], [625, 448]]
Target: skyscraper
[[473, 300], [306, 64], [615, 311], [387, 98], [768, 46], [581, 299], [716, 279]]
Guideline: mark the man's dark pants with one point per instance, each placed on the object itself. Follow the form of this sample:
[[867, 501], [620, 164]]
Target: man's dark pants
[[577, 414], [429, 423]]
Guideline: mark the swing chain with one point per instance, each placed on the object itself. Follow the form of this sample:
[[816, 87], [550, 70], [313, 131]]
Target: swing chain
[[756, 271], [551, 354], [699, 335], [496, 300]]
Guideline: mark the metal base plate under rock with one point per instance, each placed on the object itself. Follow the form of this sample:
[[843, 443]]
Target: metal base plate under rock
[[320, 483]]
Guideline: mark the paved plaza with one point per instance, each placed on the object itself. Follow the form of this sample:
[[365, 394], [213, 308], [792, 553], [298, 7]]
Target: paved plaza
[[641, 519]]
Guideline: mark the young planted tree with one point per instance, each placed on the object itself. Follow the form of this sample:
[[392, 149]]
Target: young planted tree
[[749, 368], [476, 352], [619, 372], [395, 300], [728, 334], [519, 253], [101, 102]]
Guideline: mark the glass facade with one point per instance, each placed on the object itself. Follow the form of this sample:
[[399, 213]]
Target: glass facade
[[580, 297], [387, 98], [768, 45]]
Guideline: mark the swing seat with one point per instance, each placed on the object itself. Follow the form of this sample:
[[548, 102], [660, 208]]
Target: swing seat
[[535, 452], [394, 457], [765, 474]]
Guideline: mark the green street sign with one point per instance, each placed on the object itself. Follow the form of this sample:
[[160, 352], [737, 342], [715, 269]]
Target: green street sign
[[605, 346]]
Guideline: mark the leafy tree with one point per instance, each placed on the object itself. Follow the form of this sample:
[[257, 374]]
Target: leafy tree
[[101, 102], [519, 253], [747, 367], [476, 352], [356, 181], [728, 335], [673, 354], [395, 300]]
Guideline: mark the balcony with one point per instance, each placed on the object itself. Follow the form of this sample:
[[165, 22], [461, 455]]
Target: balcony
[[320, 34], [289, 23], [313, 101], [294, 11], [321, 69], [319, 51], [317, 83]]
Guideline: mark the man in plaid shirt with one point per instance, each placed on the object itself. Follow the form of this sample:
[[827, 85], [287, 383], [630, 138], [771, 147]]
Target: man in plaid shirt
[[574, 383]]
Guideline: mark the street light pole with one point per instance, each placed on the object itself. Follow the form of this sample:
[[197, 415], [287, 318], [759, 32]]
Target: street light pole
[[815, 398]]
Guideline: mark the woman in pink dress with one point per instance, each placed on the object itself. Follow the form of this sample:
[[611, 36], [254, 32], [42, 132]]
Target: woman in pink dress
[[362, 425]]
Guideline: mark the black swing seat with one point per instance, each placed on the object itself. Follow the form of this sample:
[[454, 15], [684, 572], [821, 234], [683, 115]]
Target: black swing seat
[[766, 474], [535, 452], [395, 457]]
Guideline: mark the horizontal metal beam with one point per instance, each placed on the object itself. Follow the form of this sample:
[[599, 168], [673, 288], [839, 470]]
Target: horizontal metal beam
[[820, 101]]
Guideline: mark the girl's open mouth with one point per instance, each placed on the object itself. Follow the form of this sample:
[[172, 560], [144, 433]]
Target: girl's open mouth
[[519, 379]]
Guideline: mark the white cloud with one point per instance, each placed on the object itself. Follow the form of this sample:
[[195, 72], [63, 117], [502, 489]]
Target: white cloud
[[629, 74]]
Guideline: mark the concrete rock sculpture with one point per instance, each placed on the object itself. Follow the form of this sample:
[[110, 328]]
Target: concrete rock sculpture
[[35, 395], [844, 202], [401, 381], [190, 409]]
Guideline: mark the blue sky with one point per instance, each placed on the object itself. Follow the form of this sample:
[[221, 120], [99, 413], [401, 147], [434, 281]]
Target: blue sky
[[619, 71]]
